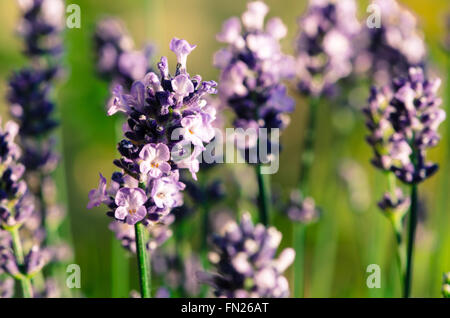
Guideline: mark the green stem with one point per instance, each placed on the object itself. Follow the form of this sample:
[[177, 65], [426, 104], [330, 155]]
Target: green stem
[[264, 195], [143, 261], [306, 162], [411, 237], [25, 282], [299, 264], [307, 157], [397, 226]]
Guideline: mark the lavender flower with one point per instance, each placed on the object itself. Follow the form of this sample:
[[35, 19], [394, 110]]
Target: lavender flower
[[116, 58], [15, 208], [41, 25], [403, 120], [246, 262], [154, 160], [168, 119], [394, 47], [301, 209], [395, 206], [130, 205], [325, 45], [252, 68]]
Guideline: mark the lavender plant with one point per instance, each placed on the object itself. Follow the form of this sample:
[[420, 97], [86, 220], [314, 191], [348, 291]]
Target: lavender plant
[[16, 208], [119, 63], [246, 263], [403, 120], [324, 50], [168, 122], [252, 70], [32, 106]]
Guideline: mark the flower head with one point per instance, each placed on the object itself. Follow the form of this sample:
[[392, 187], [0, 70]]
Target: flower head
[[252, 68], [246, 262], [41, 25], [403, 120], [116, 57], [324, 46], [395, 46], [164, 114]]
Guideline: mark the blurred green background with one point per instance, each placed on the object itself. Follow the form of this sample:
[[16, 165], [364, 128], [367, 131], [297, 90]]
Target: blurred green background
[[352, 232]]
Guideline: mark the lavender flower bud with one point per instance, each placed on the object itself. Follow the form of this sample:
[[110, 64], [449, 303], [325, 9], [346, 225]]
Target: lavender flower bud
[[395, 207], [301, 209]]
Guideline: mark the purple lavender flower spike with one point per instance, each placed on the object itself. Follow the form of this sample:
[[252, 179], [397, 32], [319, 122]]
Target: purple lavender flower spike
[[403, 120], [324, 46], [41, 25], [395, 46], [252, 69], [246, 262], [166, 115], [130, 205], [117, 59]]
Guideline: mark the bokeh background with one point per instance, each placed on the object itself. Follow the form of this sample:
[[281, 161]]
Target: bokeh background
[[351, 234]]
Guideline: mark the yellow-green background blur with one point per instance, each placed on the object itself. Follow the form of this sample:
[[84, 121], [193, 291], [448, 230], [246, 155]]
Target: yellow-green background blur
[[342, 244]]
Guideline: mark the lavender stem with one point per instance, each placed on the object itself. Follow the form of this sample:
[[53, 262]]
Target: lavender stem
[[143, 261], [397, 227], [411, 237], [306, 162], [25, 282], [299, 263], [264, 195], [307, 157]]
